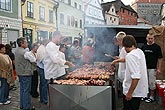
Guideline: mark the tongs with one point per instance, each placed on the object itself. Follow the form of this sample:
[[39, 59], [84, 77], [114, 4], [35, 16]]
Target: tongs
[[109, 55]]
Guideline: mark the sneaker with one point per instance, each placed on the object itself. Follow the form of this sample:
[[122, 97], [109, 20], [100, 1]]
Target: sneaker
[[14, 88], [6, 103], [149, 100], [144, 98], [9, 97]]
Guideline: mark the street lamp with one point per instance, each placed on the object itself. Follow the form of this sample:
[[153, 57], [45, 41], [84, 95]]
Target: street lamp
[[55, 8]]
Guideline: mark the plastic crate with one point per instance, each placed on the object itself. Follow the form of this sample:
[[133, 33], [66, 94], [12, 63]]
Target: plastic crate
[[163, 99]]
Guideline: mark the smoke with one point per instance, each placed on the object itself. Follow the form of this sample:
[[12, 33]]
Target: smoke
[[104, 42]]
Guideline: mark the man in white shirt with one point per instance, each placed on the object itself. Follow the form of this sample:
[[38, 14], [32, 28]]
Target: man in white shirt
[[43, 86], [53, 60], [135, 84], [31, 56]]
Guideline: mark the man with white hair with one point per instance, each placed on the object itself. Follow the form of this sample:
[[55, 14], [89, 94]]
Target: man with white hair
[[53, 60]]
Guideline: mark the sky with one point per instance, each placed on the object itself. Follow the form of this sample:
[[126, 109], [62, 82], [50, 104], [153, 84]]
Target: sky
[[126, 2]]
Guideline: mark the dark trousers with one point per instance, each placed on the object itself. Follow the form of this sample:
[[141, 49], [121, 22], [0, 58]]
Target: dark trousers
[[34, 84], [132, 104]]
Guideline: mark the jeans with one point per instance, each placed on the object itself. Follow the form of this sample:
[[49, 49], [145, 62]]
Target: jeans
[[25, 88], [4, 90], [43, 87]]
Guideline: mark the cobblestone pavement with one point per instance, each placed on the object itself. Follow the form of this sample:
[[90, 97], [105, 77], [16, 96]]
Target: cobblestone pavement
[[14, 105], [15, 98]]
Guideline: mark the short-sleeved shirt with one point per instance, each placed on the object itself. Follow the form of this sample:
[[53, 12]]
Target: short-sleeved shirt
[[152, 54], [136, 69]]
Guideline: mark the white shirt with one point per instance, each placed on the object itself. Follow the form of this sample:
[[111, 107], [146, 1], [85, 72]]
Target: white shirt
[[62, 69], [121, 69], [30, 56], [136, 69], [40, 56], [53, 61]]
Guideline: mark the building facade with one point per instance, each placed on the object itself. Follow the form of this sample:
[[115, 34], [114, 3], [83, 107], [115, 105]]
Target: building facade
[[70, 19], [149, 10], [126, 15], [10, 21], [162, 13], [111, 18], [39, 19], [93, 12]]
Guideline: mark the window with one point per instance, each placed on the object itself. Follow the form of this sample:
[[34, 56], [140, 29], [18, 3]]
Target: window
[[69, 2], [50, 16], [68, 20], [123, 10], [112, 10], [50, 35], [120, 9], [30, 9], [72, 21], [80, 23], [80, 7], [5, 5], [61, 18], [75, 5], [76, 23], [42, 13]]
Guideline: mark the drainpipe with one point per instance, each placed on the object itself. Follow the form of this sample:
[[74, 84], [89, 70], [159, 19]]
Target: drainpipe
[[22, 3], [55, 8]]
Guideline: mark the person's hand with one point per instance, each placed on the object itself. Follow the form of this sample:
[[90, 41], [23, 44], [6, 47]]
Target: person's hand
[[128, 96], [113, 63], [158, 72], [70, 64], [116, 57]]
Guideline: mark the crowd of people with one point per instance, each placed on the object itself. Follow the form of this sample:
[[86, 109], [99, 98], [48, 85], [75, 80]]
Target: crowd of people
[[52, 59], [46, 60], [138, 69]]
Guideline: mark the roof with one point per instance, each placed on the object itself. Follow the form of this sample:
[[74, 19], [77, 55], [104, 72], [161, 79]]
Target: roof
[[138, 31], [118, 4], [120, 26], [140, 19], [150, 1]]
